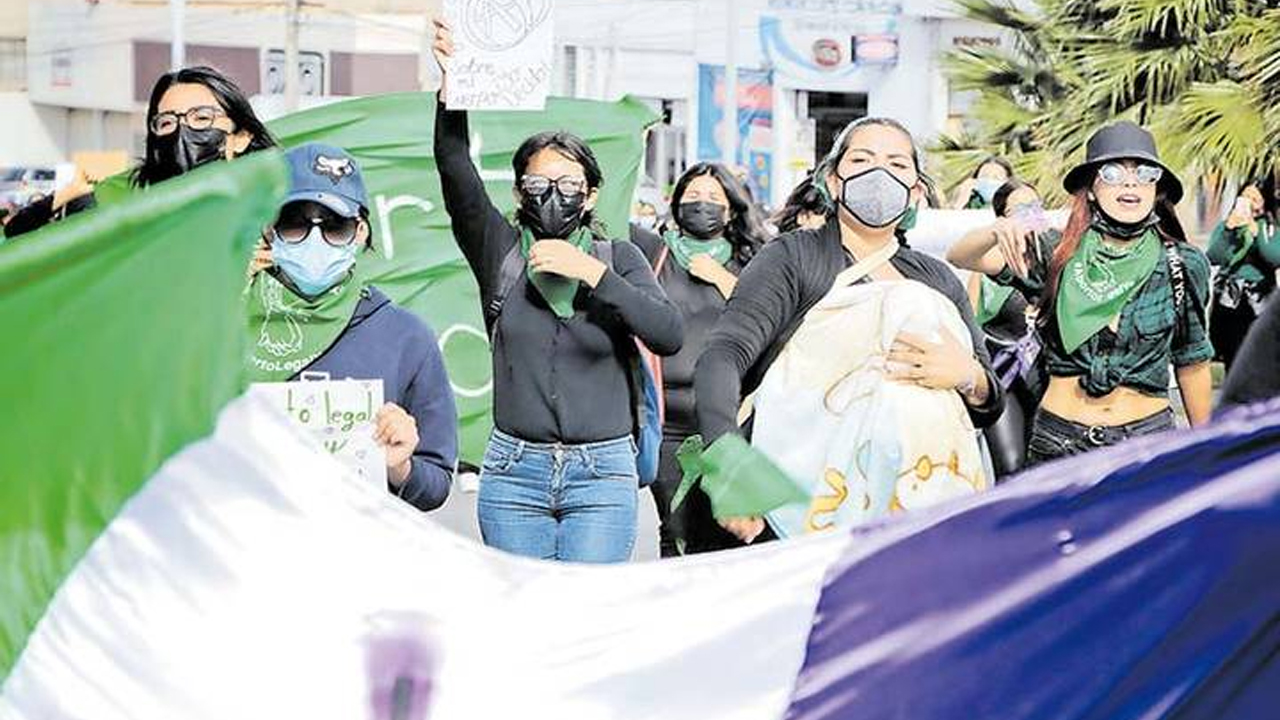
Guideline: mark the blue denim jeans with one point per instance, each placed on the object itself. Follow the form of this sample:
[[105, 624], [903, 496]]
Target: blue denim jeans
[[559, 502]]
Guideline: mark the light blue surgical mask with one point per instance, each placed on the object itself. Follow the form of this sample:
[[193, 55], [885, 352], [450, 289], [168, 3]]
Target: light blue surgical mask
[[313, 265], [986, 189]]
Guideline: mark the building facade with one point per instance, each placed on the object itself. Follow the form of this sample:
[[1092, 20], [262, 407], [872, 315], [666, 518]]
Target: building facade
[[805, 68]]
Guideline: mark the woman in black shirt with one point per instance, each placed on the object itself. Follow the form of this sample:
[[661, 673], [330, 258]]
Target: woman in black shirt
[[874, 172], [558, 480], [717, 231]]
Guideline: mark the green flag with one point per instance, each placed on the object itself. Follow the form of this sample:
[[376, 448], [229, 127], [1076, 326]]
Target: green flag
[[416, 261], [125, 330]]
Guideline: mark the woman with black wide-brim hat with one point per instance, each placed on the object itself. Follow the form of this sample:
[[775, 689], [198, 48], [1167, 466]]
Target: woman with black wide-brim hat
[[1122, 296]]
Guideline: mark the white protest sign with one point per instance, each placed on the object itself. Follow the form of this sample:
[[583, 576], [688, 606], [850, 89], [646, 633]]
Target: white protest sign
[[339, 414], [502, 54]]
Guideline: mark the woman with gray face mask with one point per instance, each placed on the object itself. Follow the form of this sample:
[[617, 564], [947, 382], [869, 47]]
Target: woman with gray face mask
[[873, 173]]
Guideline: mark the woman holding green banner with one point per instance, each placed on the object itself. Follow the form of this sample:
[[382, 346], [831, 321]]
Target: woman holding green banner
[[1246, 249], [865, 370], [196, 115], [564, 307], [1122, 296], [717, 232]]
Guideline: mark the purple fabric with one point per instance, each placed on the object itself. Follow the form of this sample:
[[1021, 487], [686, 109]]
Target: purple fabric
[[1142, 581]]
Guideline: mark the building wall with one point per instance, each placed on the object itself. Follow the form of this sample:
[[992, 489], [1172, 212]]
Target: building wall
[[33, 135]]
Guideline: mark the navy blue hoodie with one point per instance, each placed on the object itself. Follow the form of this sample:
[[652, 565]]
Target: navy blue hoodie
[[386, 341]]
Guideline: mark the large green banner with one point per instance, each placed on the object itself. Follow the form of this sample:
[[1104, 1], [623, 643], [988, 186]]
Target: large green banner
[[416, 261]]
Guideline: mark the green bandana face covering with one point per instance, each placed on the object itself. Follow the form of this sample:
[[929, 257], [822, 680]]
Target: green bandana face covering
[[287, 332], [557, 290], [684, 248], [1098, 281]]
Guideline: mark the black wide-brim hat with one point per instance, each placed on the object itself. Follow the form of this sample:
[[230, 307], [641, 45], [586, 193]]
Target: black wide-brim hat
[[1122, 141]]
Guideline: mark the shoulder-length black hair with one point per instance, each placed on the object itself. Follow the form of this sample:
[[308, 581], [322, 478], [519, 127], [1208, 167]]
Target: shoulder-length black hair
[[229, 96], [572, 147], [806, 196], [829, 163], [746, 230], [1000, 201], [1269, 187]]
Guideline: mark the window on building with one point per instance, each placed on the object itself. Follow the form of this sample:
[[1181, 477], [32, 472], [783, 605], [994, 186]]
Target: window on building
[[13, 64]]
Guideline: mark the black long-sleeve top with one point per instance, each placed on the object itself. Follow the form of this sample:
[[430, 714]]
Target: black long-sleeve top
[[780, 284], [700, 304], [554, 380]]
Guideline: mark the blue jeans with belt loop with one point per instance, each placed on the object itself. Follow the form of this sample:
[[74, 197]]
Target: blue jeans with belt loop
[[558, 501]]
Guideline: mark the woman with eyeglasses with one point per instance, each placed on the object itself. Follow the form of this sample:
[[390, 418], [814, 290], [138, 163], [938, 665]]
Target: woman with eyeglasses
[[308, 313], [564, 307], [1121, 294], [196, 115]]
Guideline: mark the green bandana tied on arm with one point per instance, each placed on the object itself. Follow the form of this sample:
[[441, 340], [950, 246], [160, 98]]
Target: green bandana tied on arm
[[557, 290], [1098, 281], [287, 332], [684, 249]]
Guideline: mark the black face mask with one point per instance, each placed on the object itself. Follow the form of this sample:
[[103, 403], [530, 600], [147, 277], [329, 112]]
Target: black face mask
[[185, 150], [551, 215], [703, 220], [1109, 226]]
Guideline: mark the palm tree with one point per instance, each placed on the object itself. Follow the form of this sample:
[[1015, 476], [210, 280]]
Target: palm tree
[[1199, 72]]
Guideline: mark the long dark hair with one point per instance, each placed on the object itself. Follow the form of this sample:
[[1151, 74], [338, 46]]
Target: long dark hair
[[841, 145], [807, 196], [745, 231], [229, 96], [572, 147], [1169, 229], [1269, 187]]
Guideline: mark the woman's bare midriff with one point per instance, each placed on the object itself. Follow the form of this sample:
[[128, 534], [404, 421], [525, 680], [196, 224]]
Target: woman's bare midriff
[[1066, 399]]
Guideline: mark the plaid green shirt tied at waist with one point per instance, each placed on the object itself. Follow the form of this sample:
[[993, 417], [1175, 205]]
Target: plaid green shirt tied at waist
[[1152, 330]]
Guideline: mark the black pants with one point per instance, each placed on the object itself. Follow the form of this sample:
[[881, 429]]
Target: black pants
[[1227, 328], [1053, 437], [692, 528], [1008, 437]]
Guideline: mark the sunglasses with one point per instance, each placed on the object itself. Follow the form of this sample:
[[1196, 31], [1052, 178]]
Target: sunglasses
[[538, 185], [1116, 174], [297, 219]]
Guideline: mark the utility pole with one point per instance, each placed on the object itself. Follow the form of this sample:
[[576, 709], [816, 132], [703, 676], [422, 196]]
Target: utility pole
[[730, 148], [292, 12], [178, 43]]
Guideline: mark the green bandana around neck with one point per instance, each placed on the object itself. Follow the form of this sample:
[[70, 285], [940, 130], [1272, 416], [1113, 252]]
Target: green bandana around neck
[[684, 248], [1098, 281], [557, 290], [288, 332], [991, 299]]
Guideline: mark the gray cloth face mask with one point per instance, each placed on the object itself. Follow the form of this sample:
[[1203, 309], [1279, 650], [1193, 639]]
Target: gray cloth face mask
[[876, 198]]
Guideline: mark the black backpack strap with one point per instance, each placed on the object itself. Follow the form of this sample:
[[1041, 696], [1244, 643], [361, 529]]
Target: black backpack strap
[[509, 272], [1177, 275]]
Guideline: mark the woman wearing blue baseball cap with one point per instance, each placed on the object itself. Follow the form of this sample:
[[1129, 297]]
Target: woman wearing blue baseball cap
[[1122, 296], [309, 313]]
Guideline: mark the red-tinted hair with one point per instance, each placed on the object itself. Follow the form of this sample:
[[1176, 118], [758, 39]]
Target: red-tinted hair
[[1169, 229]]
